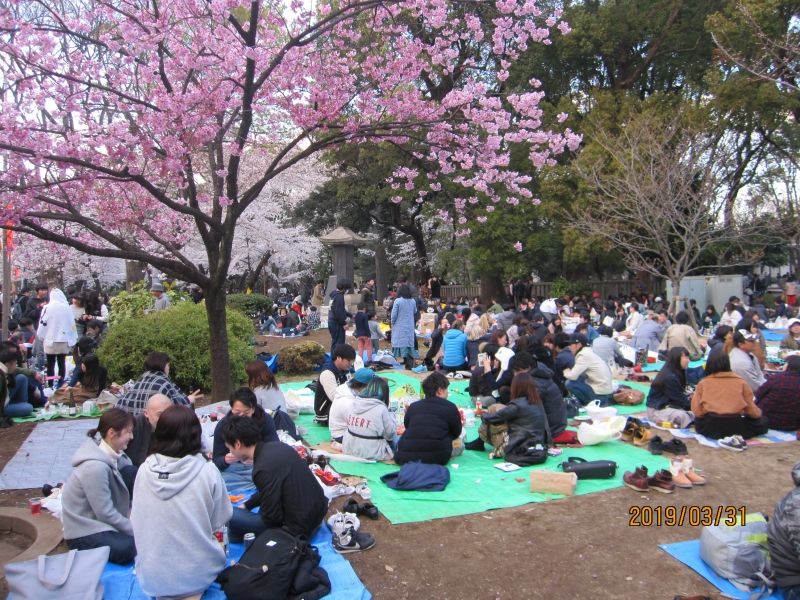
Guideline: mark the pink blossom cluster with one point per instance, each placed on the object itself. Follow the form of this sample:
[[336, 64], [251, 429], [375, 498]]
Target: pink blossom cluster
[[123, 124]]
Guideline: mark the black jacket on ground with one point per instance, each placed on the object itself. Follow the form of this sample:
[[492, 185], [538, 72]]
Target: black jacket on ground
[[527, 423], [552, 400], [431, 426], [268, 434], [288, 493]]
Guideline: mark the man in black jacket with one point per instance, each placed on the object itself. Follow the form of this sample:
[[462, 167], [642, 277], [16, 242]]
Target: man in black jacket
[[288, 493], [431, 425], [783, 536], [338, 315]]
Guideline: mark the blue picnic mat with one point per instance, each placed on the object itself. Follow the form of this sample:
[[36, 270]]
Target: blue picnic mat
[[659, 364], [120, 582], [774, 335], [689, 554]]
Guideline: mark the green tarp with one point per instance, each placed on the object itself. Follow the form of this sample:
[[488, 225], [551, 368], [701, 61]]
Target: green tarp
[[475, 484]]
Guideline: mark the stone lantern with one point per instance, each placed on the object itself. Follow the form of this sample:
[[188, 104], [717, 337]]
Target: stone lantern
[[343, 241]]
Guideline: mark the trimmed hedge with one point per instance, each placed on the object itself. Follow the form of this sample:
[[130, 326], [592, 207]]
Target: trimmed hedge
[[129, 305], [300, 358], [181, 332], [250, 304]]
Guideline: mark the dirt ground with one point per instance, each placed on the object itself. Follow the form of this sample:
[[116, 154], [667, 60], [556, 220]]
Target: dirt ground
[[580, 547]]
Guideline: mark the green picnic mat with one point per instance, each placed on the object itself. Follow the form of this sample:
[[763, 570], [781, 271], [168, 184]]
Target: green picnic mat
[[49, 417], [475, 485]]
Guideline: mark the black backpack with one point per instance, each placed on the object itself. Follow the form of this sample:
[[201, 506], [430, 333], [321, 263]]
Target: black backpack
[[274, 567]]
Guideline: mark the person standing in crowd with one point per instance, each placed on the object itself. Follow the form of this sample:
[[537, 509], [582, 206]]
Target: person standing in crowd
[[57, 332], [33, 308], [162, 301], [403, 317], [180, 502], [338, 315]]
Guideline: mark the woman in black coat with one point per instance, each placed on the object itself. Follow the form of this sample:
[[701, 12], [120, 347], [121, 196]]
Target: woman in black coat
[[524, 415]]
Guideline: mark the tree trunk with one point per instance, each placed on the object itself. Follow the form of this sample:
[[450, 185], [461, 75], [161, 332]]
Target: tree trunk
[[218, 341], [492, 287], [252, 278], [134, 271]]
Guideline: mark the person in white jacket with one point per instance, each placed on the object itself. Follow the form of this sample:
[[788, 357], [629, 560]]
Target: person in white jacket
[[180, 500], [590, 379], [371, 429], [58, 333]]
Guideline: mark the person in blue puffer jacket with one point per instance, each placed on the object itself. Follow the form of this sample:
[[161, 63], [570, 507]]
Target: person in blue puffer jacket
[[454, 348]]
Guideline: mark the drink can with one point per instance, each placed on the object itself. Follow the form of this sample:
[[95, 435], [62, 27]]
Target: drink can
[[35, 505], [248, 540]]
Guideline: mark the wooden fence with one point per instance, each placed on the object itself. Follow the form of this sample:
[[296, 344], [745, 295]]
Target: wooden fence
[[541, 289]]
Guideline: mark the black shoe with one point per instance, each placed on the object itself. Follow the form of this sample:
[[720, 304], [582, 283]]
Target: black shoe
[[675, 446], [5, 422], [656, 445], [475, 445]]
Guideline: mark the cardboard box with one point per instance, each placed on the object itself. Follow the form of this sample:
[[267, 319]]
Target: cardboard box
[[427, 323], [550, 482]]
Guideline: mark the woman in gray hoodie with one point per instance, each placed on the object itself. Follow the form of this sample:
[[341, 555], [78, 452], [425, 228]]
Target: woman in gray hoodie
[[371, 428], [95, 502], [180, 501]]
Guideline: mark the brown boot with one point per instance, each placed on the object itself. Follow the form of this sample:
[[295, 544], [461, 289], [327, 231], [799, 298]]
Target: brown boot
[[662, 482], [636, 480]]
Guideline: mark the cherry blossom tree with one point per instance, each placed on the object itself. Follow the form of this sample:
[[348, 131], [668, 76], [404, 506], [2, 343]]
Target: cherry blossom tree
[[125, 123]]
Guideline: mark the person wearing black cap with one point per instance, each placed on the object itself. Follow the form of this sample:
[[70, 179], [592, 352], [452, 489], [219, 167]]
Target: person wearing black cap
[[590, 379]]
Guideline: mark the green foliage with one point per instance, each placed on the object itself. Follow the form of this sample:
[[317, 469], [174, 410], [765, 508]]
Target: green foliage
[[128, 305], [301, 358], [181, 332], [249, 304]]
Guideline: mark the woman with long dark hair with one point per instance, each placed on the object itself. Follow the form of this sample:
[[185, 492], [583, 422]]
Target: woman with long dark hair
[[261, 380], [667, 400], [95, 501], [524, 416], [180, 502]]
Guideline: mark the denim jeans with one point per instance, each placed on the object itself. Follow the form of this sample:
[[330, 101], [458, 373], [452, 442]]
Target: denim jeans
[[585, 394], [123, 548], [18, 405], [243, 521]]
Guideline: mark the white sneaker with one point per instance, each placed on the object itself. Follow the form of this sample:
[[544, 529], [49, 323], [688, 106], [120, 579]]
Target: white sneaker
[[339, 520], [340, 489]]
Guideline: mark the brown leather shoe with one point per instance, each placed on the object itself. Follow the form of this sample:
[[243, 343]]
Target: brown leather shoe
[[662, 482], [636, 480]]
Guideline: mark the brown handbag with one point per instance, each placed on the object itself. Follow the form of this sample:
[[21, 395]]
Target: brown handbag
[[628, 396]]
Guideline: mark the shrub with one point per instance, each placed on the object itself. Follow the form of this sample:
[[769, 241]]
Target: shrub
[[301, 358], [127, 305], [250, 304], [181, 332]]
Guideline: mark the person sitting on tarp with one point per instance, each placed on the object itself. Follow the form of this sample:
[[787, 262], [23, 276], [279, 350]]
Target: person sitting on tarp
[[431, 425], [682, 335], [552, 400], [779, 397], [792, 339], [343, 399], [288, 493], [667, 399], [722, 403], [524, 417], [243, 403], [783, 536], [454, 348], [489, 378], [433, 356], [335, 371], [590, 379], [371, 431]]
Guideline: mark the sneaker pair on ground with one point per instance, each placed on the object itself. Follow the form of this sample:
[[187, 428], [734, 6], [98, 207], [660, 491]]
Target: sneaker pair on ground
[[346, 535], [733, 442], [640, 481], [673, 446], [683, 473], [636, 432]]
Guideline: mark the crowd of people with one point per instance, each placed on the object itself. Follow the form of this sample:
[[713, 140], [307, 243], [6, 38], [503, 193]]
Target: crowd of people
[[146, 470]]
